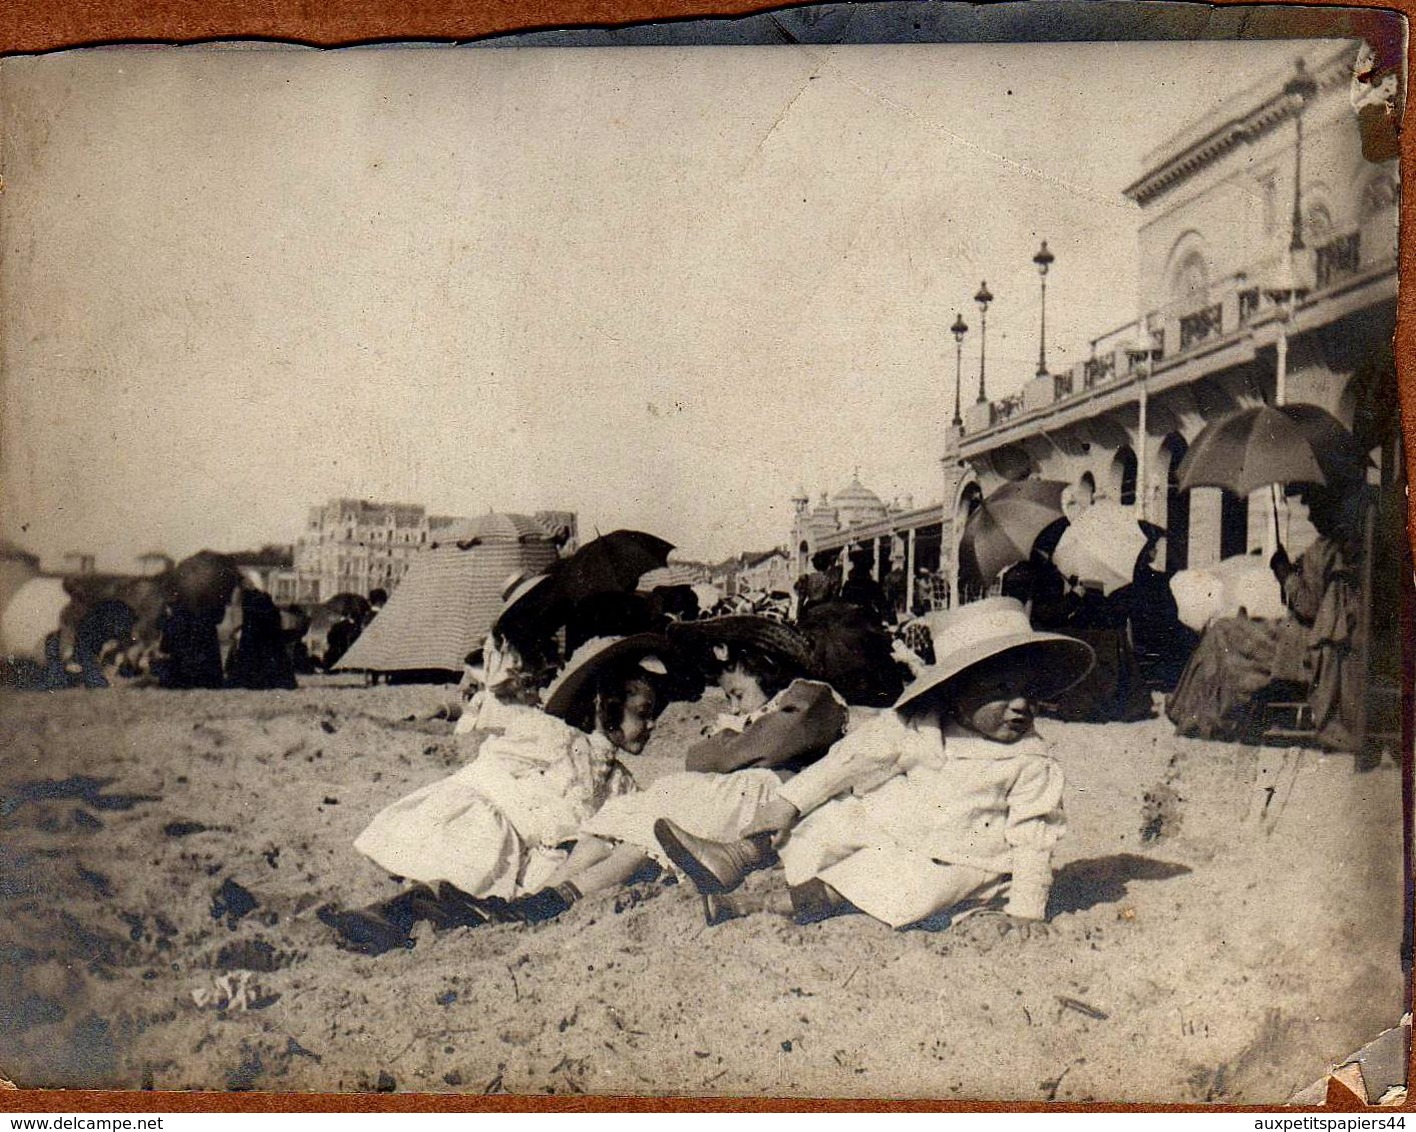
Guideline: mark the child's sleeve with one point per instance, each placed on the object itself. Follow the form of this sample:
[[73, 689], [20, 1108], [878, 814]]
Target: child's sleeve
[[806, 718], [861, 761], [1035, 822]]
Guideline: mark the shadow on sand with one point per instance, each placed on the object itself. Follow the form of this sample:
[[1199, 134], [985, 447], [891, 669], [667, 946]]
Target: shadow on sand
[[1080, 885]]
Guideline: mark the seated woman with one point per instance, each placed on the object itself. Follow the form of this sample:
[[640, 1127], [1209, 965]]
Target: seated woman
[[1238, 658], [778, 722], [930, 808], [499, 826]]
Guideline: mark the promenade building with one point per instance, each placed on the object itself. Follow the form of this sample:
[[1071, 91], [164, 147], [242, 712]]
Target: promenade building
[[1267, 256], [1267, 274]]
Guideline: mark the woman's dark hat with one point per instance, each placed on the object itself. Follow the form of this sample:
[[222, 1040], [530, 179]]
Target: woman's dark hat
[[780, 641]]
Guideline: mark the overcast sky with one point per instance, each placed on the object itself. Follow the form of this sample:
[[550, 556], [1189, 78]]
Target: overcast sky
[[661, 287]]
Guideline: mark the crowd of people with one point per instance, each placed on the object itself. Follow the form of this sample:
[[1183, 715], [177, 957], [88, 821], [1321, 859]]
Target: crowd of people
[[201, 625]]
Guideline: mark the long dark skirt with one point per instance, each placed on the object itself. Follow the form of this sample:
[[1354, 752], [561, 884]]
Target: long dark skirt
[[1237, 659]]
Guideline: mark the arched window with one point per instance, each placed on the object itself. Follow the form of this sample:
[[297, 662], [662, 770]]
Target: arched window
[[1380, 193], [1123, 475], [1317, 225], [1189, 283], [1086, 489]]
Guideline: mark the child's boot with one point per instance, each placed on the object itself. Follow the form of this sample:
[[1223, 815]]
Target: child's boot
[[544, 904], [816, 900], [715, 867], [733, 906]]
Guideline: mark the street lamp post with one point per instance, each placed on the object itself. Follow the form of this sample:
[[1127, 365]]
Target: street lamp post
[[983, 298], [1140, 354], [1043, 259], [1301, 87], [1290, 285], [958, 330]]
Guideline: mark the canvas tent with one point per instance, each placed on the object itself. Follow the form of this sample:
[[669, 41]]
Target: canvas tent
[[446, 603]]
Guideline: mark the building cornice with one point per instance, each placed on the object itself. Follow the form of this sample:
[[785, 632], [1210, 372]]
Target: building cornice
[[1243, 129]]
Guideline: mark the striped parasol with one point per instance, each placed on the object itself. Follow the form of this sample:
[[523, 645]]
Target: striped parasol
[[444, 606]]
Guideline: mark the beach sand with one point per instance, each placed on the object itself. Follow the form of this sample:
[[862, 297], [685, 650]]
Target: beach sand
[[162, 856]]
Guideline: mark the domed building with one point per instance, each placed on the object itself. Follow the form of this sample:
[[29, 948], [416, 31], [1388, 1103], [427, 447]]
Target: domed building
[[827, 525], [856, 504]]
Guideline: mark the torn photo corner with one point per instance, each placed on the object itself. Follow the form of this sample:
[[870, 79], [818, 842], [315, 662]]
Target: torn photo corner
[[977, 429]]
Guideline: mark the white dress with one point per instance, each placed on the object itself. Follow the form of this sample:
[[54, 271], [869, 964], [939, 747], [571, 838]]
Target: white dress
[[499, 826]]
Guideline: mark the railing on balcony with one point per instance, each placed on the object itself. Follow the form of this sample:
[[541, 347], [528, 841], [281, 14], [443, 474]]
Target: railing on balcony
[[1173, 331], [1338, 257], [1097, 370], [1200, 326]]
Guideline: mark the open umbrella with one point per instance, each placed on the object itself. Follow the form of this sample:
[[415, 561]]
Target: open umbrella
[[1006, 524], [612, 563], [203, 581], [1273, 444], [1253, 448], [1101, 545]]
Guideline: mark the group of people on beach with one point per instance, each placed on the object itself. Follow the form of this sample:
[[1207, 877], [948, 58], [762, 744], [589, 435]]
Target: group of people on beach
[[943, 801]]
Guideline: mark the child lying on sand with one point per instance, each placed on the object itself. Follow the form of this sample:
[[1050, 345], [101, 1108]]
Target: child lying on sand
[[931, 808]]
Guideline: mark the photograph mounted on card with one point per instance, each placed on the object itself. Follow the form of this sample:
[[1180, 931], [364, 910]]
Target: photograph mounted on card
[[638, 562]]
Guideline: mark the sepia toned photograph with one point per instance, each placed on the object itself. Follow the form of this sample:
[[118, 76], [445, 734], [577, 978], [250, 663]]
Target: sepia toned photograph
[[758, 558]]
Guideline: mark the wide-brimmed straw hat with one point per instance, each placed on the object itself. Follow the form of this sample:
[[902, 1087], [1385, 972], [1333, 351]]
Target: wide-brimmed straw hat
[[590, 659], [750, 631], [1048, 663]]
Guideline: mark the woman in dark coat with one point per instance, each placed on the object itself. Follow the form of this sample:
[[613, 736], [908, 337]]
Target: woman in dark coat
[[260, 658]]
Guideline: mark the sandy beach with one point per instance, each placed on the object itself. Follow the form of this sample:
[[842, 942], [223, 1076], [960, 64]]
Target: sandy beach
[[163, 855]]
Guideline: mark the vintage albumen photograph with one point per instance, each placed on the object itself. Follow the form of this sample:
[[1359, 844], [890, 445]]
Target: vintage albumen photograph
[[815, 570]]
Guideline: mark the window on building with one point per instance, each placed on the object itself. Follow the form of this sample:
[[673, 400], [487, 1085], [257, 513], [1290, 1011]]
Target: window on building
[[1123, 473], [1189, 285]]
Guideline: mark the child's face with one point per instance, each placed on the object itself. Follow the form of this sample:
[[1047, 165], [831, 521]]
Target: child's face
[[745, 694], [994, 706], [637, 722]]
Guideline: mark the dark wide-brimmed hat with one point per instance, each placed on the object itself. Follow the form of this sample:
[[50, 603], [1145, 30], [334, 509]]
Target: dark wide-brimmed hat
[[777, 640], [1047, 663], [590, 659]]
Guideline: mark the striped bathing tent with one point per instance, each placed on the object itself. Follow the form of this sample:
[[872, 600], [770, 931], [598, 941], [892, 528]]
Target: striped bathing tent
[[446, 603]]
